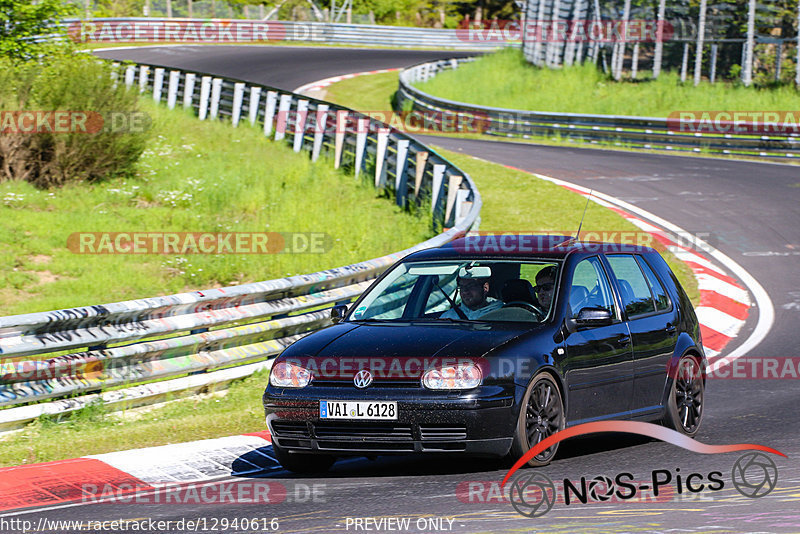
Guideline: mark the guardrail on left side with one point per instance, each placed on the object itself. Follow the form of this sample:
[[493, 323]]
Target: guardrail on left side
[[140, 341]]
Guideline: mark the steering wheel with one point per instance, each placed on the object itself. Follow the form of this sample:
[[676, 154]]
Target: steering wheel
[[528, 306]]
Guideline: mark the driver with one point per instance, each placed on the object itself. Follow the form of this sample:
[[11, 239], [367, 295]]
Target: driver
[[545, 283], [475, 299]]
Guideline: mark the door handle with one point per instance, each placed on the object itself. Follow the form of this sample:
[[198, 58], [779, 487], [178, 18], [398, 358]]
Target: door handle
[[670, 329], [623, 340]]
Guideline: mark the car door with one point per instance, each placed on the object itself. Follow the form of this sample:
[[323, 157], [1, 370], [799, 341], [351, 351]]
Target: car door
[[652, 322], [599, 362]]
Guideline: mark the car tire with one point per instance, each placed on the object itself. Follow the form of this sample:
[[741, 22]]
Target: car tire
[[303, 463], [541, 415], [685, 400]]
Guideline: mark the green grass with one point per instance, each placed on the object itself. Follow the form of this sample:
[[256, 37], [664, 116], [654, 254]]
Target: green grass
[[195, 177], [504, 79]]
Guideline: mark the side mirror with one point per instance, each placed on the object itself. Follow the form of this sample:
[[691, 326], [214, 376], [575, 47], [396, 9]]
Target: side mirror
[[338, 312], [590, 316]]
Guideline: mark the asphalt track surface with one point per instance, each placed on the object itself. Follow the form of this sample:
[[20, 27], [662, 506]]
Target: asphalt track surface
[[752, 213]]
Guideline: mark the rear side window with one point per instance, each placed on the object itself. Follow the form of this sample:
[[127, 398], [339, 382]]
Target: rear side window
[[634, 289], [659, 293]]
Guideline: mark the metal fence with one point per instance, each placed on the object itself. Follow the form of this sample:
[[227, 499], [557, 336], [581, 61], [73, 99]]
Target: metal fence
[[634, 132], [141, 341]]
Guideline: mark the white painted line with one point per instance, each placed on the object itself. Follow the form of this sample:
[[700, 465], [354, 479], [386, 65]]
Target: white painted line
[[710, 283], [184, 462], [684, 255], [718, 320], [328, 81]]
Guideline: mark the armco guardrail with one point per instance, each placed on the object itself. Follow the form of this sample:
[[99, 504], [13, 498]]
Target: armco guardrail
[[252, 322], [198, 31], [635, 132]]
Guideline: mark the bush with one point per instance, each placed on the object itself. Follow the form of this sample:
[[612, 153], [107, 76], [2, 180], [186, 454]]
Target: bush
[[73, 83]]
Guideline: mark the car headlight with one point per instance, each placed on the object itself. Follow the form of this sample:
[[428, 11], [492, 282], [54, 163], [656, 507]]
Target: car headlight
[[289, 375], [463, 376]]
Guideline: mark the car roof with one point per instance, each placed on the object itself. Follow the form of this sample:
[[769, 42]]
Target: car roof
[[517, 246]]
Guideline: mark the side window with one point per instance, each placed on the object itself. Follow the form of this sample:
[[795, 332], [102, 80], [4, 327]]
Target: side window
[[634, 289], [659, 293], [590, 287]]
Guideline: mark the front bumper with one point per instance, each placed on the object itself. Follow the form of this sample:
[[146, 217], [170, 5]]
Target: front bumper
[[480, 422]]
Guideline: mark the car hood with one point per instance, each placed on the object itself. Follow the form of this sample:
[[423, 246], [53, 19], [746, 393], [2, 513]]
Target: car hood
[[389, 340]]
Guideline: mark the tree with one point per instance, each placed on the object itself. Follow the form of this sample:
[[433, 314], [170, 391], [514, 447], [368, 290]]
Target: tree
[[21, 21]]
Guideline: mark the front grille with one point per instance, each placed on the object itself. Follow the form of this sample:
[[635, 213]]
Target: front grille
[[370, 431], [369, 437], [291, 429], [378, 384], [442, 433]]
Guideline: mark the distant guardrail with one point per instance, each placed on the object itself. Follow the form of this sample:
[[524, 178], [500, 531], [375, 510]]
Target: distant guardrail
[[236, 31], [635, 132], [79, 351]]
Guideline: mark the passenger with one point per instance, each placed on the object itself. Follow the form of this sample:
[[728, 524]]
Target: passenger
[[475, 299]]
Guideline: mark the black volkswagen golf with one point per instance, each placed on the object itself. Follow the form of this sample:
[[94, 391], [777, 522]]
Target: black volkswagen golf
[[486, 346]]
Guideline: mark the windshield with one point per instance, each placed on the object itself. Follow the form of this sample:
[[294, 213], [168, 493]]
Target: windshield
[[459, 290]]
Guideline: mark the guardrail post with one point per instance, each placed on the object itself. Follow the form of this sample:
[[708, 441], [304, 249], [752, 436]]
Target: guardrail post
[[436, 192], [300, 125], [685, 61], [269, 112], [453, 186], [238, 96], [320, 124], [422, 160], [130, 74], [380, 158], [400, 176], [216, 90], [713, 74], [361, 143], [158, 84], [283, 116], [252, 107], [188, 89], [172, 90], [341, 125], [143, 73], [462, 206], [205, 91]]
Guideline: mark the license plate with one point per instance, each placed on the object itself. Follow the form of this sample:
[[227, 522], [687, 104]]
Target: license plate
[[365, 410]]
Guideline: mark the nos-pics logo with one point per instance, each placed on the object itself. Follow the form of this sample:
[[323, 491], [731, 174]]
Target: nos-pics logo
[[533, 494]]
